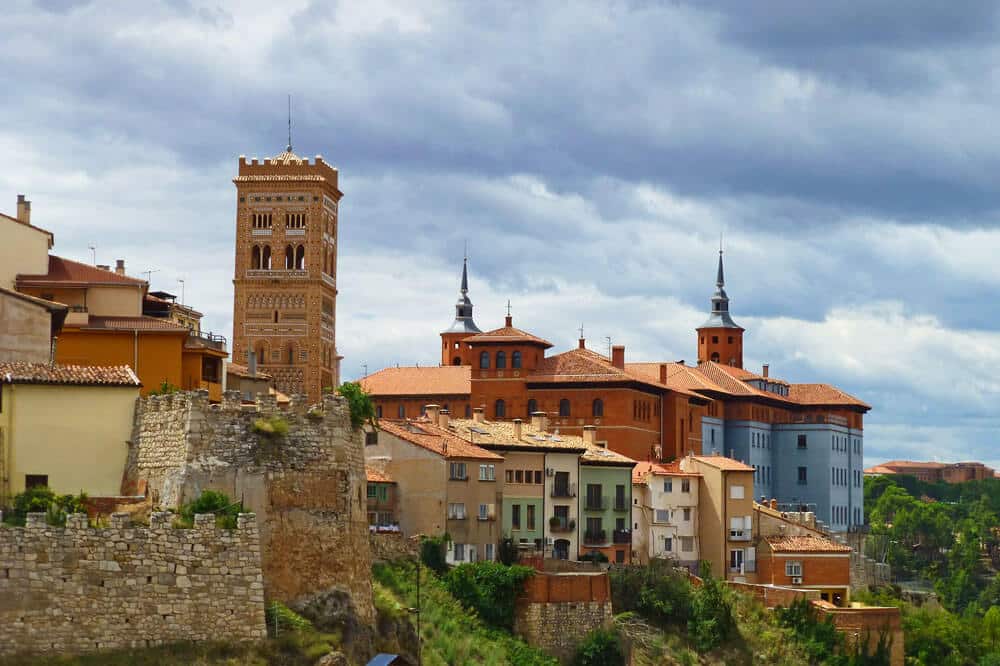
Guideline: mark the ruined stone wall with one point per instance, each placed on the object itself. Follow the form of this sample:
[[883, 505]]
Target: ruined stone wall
[[76, 589], [307, 487], [556, 611], [391, 546]]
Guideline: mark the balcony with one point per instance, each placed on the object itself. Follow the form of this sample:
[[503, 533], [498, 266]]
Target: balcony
[[257, 273], [739, 535], [621, 505], [557, 524], [750, 566], [568, 490], [621, 536], [77, 316], [593, 538], [198, 339], [594, 503]]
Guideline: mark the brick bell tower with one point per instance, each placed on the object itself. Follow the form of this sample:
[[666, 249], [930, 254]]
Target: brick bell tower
[[285, 284], [720, 339], [452, 352]]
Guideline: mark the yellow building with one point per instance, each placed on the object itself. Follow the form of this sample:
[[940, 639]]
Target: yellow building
[[24, 247], [65, 427]]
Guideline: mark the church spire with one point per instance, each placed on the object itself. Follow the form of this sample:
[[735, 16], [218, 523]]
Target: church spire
[[463, 308], [720, 280], [465, 276], [720, 339]]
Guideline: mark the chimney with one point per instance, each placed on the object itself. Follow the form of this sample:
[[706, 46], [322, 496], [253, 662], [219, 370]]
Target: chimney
[[517, 429], [618, 356], [104, 267], [508, 321], [23, 209], [444, 418], [663, 373], [539, 421], [583, 343], [432, 412], [477, 415], [774, 503], [252, 363], [766, 369], [120, 266], [590, 435]]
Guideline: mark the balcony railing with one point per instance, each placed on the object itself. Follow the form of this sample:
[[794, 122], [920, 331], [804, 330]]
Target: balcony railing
[[568, 490], [739, 535], [750, 566], [622, 536], [210, 340], [595, 503], [272, 273], [557, 524], [595, 537], [621, 504]]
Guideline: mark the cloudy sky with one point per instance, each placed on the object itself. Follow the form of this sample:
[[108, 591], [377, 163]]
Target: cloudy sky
[[589, 154]]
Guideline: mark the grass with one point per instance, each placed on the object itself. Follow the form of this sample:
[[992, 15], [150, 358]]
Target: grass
[[451, 634]]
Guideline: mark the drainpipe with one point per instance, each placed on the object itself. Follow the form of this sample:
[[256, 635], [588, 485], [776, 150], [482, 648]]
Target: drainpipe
[[135, 350]]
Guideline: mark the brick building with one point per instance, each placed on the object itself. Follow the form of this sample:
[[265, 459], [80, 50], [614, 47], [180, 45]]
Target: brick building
[[933, 472], [285, 282]]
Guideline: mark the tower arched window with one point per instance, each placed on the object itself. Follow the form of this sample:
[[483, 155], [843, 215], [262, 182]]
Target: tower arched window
[[289, 258], [457, 360], [500, 409], [564, 407], [532, 406], [515, 360], [255, 257], [291, 354], [598, 408], [484, 359], [501, 359], [300, 257], [265, 258], [715, 357]]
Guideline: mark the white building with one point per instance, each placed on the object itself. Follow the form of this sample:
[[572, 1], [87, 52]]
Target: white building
[[665, 514]]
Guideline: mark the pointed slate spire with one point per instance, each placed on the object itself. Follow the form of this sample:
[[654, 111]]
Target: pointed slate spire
[[720, 280], [465, 275], [463, 308], [719, 318]]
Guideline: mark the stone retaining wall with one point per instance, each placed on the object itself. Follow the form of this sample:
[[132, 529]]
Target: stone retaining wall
[[76, 588], [556, 611]]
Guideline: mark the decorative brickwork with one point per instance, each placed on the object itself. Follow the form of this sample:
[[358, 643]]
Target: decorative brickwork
[[308, 487], [76, 589]]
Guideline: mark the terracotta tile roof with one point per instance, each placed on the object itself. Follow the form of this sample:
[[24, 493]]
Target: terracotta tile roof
[[375, 476], [805, 544], [508, 334], [724, 463], [279, 397], [603, 456], [244, 371], [500, 434], [644, 469], [68, 272], [880, 469], [19, 372], [133, 324], [584, 365], [720, 376], [434, 439], [444, 380], [912, 464], [823, 394]]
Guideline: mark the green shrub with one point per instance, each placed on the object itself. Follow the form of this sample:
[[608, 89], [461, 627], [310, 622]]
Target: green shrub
[[658, 592], [712, 621], [819, 638], [274, 427], [508, 552], [281, 620], [601, 647], [165, 388], [490, 589], [211, 501], [432, 553], [360, 403], [42, 500]]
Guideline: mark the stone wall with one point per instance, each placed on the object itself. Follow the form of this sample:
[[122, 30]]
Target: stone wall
[[390, 546], [307, 487], [555, 611], [75, 588]]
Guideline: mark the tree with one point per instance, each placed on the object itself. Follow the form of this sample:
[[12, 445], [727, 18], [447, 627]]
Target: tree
[[360, 403], [601, 647], [991, 627]]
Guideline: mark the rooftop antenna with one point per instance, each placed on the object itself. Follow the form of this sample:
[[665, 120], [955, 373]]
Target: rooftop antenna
[[508, 307], [149, 273], [607, 339], [181, 280], [289, 122], [365, 366], [581, 330], [93, 253]]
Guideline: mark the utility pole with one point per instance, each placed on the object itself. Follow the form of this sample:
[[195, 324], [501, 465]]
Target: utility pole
[[181, 280]]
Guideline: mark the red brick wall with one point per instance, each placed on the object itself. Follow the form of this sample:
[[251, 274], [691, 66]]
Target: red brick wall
[[558, 588]]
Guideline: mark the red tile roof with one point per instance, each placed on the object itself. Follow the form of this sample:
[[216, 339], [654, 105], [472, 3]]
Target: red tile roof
[[642, 469], [508, 334], [436, 440], [584, 365], [880, 469], [244, 371], [805, 544], [375, 476], [68, 272], [133, 324], [823, 394], [19, 372], [406, 381], [724, 463]]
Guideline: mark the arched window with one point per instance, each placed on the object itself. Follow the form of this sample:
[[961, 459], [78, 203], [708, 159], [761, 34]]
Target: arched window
[[564, 407], [468, 411], [532, 406], [457, 360], [500, 409], [291, 354], [501, 360], [255, 257], [598, 407], [300, 257], [515, 360], [484, 360], [265, 258], [715, 357], [378, 411], [289, 258], [261, 352], [402, 412]]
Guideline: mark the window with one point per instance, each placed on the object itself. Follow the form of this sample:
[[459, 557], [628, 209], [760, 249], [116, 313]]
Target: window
[[484, 360], [736, 492], [515, 360], [372, 491], [519, 476], [739, 527], [289, 258], [456, 511], [532, 406], [489, 551], [736, 561], [457, 471], [300, 258], [402, 411], [803, 476], [468, 411], [687, 544], [715, 339], [531, 516], [802, 441], [515, 516], [793, 569], [487, 472], [598, 408], [509, 476], [715, 357], [501, 360], [662, 516], [668, 486], [499, 408], [668, 544], [729, 339], [484, 512], [371, 438], [564, 407], [265, 258], [619, 557], [538, 476], [687, 515], [255, 257], [686, 485], [459, 552]]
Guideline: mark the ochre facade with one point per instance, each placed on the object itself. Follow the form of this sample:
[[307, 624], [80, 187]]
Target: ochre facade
[[285, 281]]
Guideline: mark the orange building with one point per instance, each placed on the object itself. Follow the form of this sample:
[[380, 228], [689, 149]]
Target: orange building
[[933, 472], [285, 284], [807, 562]]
